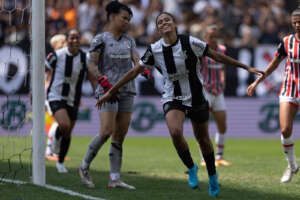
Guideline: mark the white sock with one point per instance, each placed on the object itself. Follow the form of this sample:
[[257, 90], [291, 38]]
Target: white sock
[[51, 135], [288, 147], [114, 176], [220, 144], [84, 165]]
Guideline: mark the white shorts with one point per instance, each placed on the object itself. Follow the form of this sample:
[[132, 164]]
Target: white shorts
[[292, 100], [216, 102]]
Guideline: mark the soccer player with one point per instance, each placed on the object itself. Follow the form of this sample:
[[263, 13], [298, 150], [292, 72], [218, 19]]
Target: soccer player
[[176, 57], [111, 56], [289, 93], [68, 67], [214, 83], [58, 41]]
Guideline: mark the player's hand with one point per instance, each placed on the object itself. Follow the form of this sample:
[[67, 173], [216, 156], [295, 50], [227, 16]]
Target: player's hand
[[105, 98], [114, 98], [251, 89], [256, 71], [147, 74], [106, 85]]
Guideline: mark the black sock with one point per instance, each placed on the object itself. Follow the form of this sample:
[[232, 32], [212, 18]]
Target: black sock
[[58, 133], [186, 158], [64, 147], [210, 163]]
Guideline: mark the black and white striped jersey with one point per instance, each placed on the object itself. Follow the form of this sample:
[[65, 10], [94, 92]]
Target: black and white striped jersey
[[180, 66], [68, 72]]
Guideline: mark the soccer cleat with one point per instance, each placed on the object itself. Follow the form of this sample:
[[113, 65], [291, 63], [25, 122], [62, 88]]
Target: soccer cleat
[[86, 178], [288, 174], [61, 168], [193, 177], [55, 145], [222, 162], [54, 157], [214, 186], [119, 184], [202, 163], [51, 157]]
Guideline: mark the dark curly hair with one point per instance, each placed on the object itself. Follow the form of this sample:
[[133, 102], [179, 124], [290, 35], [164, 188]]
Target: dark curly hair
[[115, 7]]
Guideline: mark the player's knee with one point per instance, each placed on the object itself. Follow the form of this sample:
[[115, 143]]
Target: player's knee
[[106, 132], [176, 133], [286, 131], [104, 137], [65, 128]]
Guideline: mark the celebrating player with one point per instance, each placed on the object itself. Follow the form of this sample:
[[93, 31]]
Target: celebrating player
[[214, 83], [176, 57], [111, 56], [58, 41], [68, 68], [289, 93]]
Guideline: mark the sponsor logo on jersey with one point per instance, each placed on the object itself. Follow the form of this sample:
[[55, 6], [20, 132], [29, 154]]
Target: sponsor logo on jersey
[[120, 56], [199, 45], [146, 56]]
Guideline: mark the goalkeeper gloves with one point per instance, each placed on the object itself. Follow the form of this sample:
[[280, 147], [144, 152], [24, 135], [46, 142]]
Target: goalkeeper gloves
[[106, 85], [147, 74]]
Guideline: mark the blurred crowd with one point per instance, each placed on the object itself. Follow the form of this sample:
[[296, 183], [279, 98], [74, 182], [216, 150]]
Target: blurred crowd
[[243, 23]]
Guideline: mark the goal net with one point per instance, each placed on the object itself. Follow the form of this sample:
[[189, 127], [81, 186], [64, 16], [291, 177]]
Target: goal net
[[21, 141]]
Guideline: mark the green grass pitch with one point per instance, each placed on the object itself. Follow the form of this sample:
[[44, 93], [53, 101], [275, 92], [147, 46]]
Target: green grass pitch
[[152, 165]]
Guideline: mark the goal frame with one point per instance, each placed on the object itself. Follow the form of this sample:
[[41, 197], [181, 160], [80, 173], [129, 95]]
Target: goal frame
[[38, 97]]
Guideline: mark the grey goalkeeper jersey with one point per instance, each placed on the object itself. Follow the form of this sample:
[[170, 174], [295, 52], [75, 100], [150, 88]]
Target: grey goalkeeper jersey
[[115, 59]]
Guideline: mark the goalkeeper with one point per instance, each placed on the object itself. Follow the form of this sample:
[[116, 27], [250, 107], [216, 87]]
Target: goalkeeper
[[111, 56]]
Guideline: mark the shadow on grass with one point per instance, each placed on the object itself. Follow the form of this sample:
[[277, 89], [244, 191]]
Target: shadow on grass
[[157, 187], [148, 187]]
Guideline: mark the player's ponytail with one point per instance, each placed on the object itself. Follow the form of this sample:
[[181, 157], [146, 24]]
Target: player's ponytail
[[114, 7]]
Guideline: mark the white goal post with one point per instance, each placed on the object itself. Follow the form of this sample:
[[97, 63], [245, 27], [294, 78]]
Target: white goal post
[[38, 98]]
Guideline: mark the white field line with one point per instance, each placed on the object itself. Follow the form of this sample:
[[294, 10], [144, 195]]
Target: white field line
[[55, 188]]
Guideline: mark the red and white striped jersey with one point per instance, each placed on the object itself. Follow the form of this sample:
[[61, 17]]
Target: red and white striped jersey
[[290, 48], [211, 71]]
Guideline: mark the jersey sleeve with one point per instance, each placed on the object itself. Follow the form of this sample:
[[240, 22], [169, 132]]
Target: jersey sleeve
[[280, 52], [51, 60], [97, 44], [199, 47], [147, 59]]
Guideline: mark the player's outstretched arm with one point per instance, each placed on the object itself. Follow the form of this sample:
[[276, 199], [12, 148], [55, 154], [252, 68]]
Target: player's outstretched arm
[[130, 75], [269, 69], [230, 61]]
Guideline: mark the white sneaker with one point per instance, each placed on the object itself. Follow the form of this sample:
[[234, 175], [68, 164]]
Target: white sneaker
[[55, 145], [288, 174], [86, 178], [61, 168], [119, 184]]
